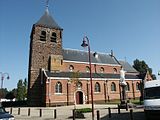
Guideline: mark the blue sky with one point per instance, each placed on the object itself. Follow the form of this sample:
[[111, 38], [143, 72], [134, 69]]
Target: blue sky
[[131, 28]]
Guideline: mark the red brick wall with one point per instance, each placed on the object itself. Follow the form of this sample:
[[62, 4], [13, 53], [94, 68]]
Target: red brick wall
[[98, 96], [82, 67]]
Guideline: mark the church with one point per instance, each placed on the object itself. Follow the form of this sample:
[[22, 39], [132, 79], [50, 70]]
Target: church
[[59, 76]]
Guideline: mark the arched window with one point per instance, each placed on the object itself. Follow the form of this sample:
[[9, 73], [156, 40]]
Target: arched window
[[43, 36], [137, 86], [114, 70], [54, 37], [101, 70], [58, 88], [113, 86], [87, 69], [127, 87], [97, 87], [71, 68]]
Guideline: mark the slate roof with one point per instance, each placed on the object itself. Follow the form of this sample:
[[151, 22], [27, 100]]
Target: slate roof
[[82, 56], [87, 75], [47, 21], [127, 67]]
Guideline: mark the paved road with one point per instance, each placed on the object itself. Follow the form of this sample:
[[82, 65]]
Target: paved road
[[65, 112]]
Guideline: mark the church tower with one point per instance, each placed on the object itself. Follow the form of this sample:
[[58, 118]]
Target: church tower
[[45, 46]]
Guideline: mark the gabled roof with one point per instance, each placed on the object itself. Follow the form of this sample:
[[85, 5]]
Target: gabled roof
[[47, 21], [82, 56], [127, 67]]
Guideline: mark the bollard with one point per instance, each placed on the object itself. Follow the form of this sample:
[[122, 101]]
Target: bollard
[[11, 110], [119, 109], [109, 112], [131, 114], [73, 114], [126, 107], [40, 112], [98, 117], [55, 114], [18, 111], [29, 111]]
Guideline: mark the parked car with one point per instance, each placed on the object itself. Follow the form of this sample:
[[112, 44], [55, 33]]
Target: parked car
[[5, 115]]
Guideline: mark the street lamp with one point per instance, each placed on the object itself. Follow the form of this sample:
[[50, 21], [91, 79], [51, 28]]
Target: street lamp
[[86, 44], [123, 85], [3, 75]]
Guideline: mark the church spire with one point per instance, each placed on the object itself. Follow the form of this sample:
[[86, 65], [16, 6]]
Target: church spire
[[47, 20]]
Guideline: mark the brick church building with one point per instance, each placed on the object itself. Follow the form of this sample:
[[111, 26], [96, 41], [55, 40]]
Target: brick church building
[[59, 76]]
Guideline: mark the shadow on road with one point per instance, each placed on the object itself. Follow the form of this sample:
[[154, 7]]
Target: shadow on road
[[125, 116]]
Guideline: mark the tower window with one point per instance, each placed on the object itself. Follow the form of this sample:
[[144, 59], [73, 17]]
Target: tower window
[[43, 36], [54, 37]]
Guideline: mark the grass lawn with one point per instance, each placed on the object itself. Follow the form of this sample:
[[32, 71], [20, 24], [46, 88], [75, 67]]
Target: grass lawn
[[84, 110]]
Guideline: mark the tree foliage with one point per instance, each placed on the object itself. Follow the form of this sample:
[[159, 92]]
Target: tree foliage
[[142, 67], [10, 95], [21, 89], [3, 92]]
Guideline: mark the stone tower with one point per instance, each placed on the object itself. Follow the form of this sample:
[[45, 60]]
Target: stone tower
[[45, 46]]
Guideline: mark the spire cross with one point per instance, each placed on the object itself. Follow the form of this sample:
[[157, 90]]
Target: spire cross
[[47, 3]]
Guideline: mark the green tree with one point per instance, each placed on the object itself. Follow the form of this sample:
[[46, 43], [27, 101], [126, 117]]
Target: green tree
[[25, 88], [10, 95], [142, 67], [21, 89], [14, 91], [3, 92]]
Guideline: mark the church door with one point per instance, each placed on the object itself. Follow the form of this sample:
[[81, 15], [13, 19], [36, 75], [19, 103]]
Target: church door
[[79, 97]]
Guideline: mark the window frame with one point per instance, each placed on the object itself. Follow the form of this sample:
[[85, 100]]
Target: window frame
[[97, 87], [58, 88], [43, 35], [101, 69], [87, 69], [53, 37], [113, 87], [71, 68], [137, 86]]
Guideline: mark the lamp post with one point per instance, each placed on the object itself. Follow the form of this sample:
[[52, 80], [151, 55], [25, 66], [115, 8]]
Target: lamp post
[[3, 75], [86, 44], [123, 85]]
